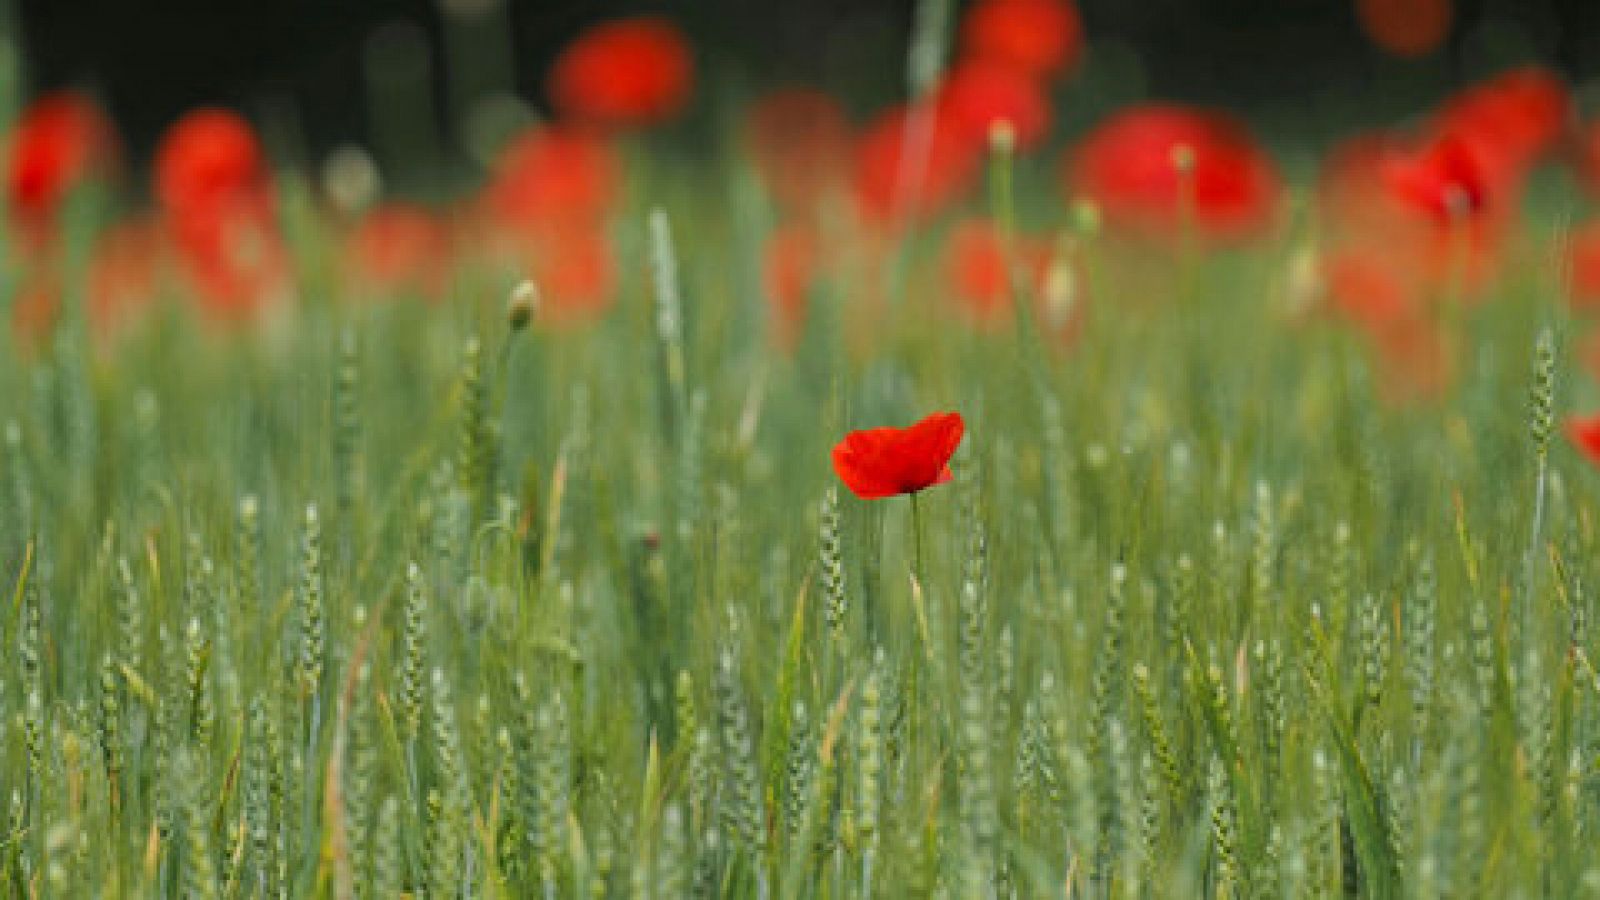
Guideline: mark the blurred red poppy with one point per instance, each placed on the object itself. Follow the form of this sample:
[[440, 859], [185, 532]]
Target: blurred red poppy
[[575, 270], [1434, 209], [124, 275], [799, 141], [883, 462], [1513, 118], [398, 247], [236, 265], [1152, 169], [548, 177], [978, 95], [1583, 267], [59, 140], [1586, 156], [977, 268], [1588, 353], [209, 160], [625, 72], [1381, 297], [1036, 37], [1406, 28], [789, 264], [979, 272], [1367, 289], [215, 194], [1584, 433], [35, 309], [1414, 360], [911, 163]]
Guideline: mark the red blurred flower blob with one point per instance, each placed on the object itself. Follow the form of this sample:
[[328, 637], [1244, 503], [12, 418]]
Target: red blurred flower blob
[[398, 247], [59, 140], [1513, 118], [549, 177], [35, 309], [1036, 37], [1447, 179], [124, 273], [1415, 362], [1152, 168], [1405, 28], [789, 264], [1586, 157], [1583, 267], [911, 163], [1436, 211], [214, 190], [1381, 297], [978, 269], [1367, 289], [799, 141], [1584, 433], [208, 160], [979, 95], [884, 462], [576, 272], [623, 73]]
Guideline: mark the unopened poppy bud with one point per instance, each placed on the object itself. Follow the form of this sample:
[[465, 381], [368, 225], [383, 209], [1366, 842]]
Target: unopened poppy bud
[[1086, 216], [1304, 286], [1002, 138], [1458, 203], [351, 180], [523, 304], [1183, 158], [1060, 292]]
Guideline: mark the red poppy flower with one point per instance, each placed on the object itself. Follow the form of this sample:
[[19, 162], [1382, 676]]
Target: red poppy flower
[[1515, 116], [124, 272], [236, 265], [1367, 289], [216, 200], [1037, 37], [625, 72], [979, 95], [1405, 28], [788, 271], [1588, 353], [35, 310], [978, 269], [575, 270], [60, 139], [1586, 156], [1447, 179], [1414, 360], [1152, 168], [1583, 267], [209, 160], [883, 462], [214, 190], [903, 172], [398, 247], [550, 177], [1584, 432], [1436, 211], [799, 141]]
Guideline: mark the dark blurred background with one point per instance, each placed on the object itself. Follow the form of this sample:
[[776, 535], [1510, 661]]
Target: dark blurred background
[[1301, 68]]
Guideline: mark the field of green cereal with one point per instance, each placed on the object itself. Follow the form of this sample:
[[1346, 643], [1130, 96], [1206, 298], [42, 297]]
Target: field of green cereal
[[457, 600]]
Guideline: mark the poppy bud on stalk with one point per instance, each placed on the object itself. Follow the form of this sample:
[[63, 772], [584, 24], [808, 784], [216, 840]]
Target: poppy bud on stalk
[[523, 304]]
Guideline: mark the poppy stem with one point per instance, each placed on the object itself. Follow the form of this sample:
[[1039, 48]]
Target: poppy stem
[[916, 537]]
